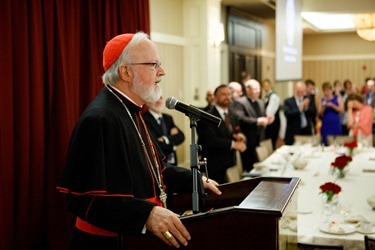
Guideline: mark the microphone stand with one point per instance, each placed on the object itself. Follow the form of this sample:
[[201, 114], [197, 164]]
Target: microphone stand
[[198, 195]]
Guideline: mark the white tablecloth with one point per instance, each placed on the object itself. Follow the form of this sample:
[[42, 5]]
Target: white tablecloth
[[357, 186]]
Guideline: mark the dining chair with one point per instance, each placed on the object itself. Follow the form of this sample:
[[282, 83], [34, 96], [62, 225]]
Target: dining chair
[[369, 243], [235, 173], [232, 174], [306, 246], [304, 139], [338, 139], [267, 144], [262, 153]]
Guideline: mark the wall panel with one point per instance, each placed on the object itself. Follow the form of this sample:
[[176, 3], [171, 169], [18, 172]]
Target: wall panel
[[172, 84], [356, 70]]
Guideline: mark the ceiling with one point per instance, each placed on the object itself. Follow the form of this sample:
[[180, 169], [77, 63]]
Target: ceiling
[[265, 9]]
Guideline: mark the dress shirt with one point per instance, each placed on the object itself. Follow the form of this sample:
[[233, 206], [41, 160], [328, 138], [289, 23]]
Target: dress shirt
[[302, 113], [273, 103], [222, 112]]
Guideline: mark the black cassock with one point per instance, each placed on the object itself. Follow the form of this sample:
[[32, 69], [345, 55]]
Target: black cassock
[[107, 177]]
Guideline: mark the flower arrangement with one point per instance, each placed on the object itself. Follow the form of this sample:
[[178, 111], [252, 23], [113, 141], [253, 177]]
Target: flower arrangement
[[351, 146], [330, 189], [340, 163]]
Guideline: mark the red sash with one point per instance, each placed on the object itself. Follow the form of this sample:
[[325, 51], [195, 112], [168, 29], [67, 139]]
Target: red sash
[[91, 229]]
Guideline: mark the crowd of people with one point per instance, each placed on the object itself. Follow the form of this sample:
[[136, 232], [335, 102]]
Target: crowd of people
[[252, 113], [256, 108]]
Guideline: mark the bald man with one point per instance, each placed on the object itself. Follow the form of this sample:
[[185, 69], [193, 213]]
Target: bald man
[[251, 113], [235, 89], [297, 112]]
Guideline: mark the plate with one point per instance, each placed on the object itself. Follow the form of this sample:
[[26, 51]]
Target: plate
[[359, 230], [355, 219], [312, 155], [338, 229], [304, 211]]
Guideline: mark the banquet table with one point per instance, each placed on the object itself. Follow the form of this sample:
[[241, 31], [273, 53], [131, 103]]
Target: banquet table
[[312, 215]]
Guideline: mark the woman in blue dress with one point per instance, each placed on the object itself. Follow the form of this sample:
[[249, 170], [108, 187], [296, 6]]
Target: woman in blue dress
[[330, 107]]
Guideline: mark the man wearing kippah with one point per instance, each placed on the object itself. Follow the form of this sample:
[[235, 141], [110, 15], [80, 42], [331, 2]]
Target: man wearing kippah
[[115, 176]]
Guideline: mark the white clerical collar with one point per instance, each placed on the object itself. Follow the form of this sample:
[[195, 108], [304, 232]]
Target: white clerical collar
[[127, 97]]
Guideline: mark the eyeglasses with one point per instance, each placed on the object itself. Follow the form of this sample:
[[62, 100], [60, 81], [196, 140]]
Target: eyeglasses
[[155, 65]]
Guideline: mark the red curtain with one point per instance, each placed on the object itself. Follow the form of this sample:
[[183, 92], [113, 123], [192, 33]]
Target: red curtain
[[50, 69]]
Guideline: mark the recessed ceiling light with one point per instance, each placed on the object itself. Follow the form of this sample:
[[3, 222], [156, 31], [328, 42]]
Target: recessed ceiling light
[[328, 21]]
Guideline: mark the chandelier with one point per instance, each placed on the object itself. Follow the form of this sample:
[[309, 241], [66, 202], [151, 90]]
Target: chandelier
[[365, 25]]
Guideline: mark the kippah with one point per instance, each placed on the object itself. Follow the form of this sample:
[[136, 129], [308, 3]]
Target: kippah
[[113, 49]]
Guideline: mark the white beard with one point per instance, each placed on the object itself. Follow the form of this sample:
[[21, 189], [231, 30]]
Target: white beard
[[151, 94]]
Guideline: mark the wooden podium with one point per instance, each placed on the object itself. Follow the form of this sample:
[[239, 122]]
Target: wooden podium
[[245, 216]]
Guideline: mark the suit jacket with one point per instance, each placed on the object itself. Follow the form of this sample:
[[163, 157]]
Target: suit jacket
[[156, 131], [247, 117], [293, 119], [312, 112], [216, 146]]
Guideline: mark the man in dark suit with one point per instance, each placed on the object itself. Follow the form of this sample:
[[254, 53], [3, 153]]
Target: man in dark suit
[[162, 127], [219, 145], [250, 111], [298, 113], [310, 93]]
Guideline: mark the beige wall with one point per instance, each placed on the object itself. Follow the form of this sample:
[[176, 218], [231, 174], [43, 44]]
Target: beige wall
[[166, 16], [338, 56], [192, 63]]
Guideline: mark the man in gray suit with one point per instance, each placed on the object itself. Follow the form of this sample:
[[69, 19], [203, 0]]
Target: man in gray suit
[[250, 111]]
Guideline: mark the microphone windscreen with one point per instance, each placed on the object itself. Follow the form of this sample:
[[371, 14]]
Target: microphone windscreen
[[171, 102]]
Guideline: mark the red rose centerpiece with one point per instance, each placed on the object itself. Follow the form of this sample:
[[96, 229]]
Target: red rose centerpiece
[[351, 146], [330, 189], [340, 163]]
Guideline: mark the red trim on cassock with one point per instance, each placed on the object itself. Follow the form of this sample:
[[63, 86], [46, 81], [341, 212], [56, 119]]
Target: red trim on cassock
[[93, 192], [91, 229]]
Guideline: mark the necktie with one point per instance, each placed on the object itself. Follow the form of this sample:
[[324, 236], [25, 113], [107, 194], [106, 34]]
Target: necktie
[[163, 126], [256, 108], [303, 116], [227, 122]]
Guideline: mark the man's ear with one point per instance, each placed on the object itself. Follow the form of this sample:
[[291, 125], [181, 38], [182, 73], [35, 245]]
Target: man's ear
[[125, 73]]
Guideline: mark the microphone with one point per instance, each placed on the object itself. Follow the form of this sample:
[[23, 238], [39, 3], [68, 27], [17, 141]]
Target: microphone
[[192, 111]]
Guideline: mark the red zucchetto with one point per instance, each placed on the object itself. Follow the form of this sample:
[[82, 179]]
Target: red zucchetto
[[114, 48]]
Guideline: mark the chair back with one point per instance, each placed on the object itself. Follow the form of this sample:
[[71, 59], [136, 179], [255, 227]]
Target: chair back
[[305, 139], [306, 246], [262, 153], [267, 144], [369, 243], [234, 173], [339, 139]]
